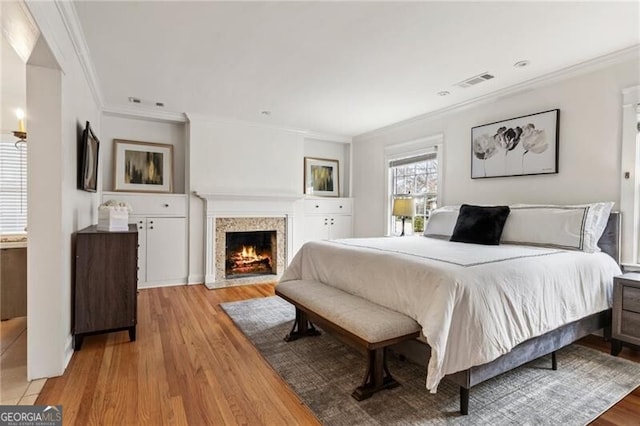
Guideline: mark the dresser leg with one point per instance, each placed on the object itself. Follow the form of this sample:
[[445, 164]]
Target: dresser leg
[[132, 333], [616, 347], [77, 344]]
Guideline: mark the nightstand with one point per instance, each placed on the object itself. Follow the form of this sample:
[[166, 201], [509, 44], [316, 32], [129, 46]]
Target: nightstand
[[626, 311]]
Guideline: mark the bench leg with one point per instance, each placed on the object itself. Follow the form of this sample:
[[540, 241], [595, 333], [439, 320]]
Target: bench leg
[[301, 327], [554, 361], [464, 401], [377, 376]]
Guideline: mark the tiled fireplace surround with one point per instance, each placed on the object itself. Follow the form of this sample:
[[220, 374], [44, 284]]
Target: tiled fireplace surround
[[232, 212]]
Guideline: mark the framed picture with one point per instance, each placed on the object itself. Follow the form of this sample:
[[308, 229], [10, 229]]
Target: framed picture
[[88, 173], [321, 177], [526, 145], [142, 166]]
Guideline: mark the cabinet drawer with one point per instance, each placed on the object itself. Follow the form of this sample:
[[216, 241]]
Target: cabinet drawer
[[630, 324], [631, 299], [152, 204], [328, 206]]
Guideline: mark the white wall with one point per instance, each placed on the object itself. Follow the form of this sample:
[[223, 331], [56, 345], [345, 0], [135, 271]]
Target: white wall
[[59, 101], [12, 87], [237, 158], [589, 148], [142, 130], [234, 157], [333, 151]]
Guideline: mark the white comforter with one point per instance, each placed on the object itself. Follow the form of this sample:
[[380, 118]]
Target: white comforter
[[474, 302]]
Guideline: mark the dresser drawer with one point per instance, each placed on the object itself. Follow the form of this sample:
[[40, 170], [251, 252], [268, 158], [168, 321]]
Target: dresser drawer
[[630, 324], [631, 299], [327, 206], [151, 204]]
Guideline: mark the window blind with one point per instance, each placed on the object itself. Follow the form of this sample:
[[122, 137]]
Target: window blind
[[13, 187], [411, 160]]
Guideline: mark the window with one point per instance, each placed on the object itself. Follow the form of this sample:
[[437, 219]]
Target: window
[[13, 186], [416, 177], [414, 168]]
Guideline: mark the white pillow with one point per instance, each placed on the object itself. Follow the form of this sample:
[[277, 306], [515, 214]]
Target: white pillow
[[577, 227], [441, 222]]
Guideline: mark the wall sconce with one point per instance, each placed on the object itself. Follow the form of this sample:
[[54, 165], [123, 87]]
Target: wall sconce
[[403, 208], [21, 133]]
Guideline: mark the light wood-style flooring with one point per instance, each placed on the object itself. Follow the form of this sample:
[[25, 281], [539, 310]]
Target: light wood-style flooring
[[191, 365], [15, 389]]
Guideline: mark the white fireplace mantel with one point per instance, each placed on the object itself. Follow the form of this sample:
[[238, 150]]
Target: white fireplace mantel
[[249, 197], [220, 204], [243, 205]]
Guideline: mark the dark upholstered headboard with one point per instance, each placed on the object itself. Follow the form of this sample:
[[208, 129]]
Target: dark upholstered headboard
[[610, 240]]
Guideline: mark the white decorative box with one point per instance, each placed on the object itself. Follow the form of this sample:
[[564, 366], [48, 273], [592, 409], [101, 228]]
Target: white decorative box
[[113, 219]]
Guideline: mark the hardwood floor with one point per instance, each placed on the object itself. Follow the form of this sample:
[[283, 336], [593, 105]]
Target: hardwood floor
[[191, 365]]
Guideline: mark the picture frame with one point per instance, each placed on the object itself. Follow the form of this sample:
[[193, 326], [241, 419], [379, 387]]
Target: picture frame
[[88, 160], [142, 166], [321, 177], [520, 146]]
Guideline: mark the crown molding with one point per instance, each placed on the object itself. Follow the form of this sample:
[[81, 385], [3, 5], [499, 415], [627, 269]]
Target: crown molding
[[144, 113], [544, 80], [306, 133], [74, 29]]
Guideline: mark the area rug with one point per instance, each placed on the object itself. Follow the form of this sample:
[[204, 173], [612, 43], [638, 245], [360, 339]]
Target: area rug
[[323, 372]]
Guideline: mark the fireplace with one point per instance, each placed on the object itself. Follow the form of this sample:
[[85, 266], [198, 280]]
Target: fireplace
[[242, 212], [250, 253], [265, 250]]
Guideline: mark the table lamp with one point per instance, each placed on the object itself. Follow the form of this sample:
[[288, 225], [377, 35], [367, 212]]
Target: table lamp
[[403, 207]]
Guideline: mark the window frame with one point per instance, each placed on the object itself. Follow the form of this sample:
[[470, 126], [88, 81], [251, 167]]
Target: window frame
[[409, 149], [630, 186]]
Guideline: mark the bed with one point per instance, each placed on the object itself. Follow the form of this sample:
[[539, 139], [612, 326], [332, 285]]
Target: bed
[[483, 309]]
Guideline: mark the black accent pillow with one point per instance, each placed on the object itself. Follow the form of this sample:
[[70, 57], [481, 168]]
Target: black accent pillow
[[480, 224]]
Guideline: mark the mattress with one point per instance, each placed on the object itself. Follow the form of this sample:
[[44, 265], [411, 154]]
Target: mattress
[[474, 302]]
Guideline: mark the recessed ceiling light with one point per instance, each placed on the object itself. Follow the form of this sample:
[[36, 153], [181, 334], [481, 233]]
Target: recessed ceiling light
[[134, 100], [159, 104], [443, 93], [265, 112], [521, 64]]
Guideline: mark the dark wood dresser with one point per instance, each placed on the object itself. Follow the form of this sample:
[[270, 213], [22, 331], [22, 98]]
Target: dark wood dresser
[[106, 281], [626, 311]]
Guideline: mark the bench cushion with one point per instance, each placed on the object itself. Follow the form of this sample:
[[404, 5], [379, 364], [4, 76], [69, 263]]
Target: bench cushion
[[367, 320]]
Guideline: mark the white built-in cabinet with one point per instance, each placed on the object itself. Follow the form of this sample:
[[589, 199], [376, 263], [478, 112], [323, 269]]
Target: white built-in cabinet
[[161, 220], [327, 218]]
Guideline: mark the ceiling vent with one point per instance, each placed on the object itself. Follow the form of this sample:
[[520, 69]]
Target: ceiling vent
[[477, 79]]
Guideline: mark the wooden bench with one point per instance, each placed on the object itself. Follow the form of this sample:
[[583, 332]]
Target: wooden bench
[[358, 321]]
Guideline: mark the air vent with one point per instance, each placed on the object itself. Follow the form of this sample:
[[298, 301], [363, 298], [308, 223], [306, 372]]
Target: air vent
[[477, 79]]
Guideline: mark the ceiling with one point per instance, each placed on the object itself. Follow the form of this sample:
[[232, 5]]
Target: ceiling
[[341, 68]]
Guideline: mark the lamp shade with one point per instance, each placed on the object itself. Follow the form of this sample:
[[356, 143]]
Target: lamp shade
[[403, 207]]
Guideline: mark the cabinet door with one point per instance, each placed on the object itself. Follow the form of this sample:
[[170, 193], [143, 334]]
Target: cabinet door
[[141, 226], [341, 227], [166, 249], [13, 276], [316, 227]]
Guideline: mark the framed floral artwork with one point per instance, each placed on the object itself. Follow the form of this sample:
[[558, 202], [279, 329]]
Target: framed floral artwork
[[142, 166], [321, 177], [526, 145]]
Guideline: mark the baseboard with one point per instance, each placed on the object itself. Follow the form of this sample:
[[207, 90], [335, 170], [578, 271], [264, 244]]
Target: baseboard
[[68, 351], [195, 279], [162, 284]]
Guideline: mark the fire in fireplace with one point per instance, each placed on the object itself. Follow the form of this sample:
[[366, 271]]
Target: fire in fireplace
[[250, 253]]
